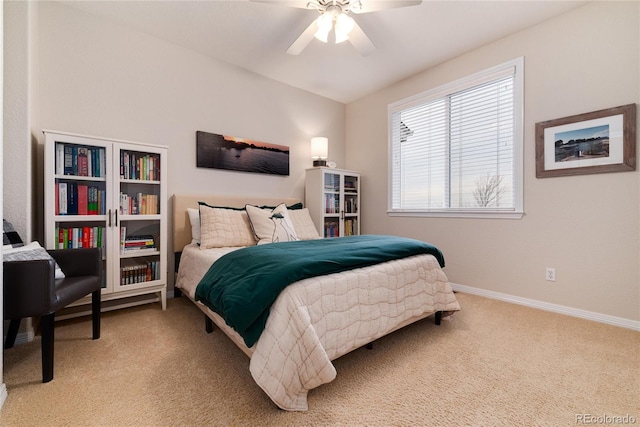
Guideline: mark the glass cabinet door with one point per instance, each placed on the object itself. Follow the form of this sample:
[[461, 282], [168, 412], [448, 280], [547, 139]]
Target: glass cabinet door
[[139, 216]]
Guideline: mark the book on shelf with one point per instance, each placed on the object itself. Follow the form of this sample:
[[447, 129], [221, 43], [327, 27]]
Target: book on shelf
[[59, 159], [83, 199], [92, 202], [123, 237], [57, 199], [135, 246], [68, 159], [63, 198], [83, 161], [72, 198], [139, 242]]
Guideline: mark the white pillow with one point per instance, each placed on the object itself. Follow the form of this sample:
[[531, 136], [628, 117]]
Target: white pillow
[[271, 225], [224, 227], [303, 224], [194, 219], [32, 251]]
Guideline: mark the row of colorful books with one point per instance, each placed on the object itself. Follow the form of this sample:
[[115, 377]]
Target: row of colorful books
[[140, 273], [350, 204], [331, 203], [140, 166], [350, 227], [78, 160], [80, 237], [139, 204], [332, 229], [73, 198]]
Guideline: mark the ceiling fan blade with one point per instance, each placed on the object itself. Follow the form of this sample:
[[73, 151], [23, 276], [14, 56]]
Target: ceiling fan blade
[[376, 5], [302, 4], [360, 41], [303, 40]]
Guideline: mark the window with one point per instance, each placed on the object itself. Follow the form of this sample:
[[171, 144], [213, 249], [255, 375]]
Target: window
[[457, 150]]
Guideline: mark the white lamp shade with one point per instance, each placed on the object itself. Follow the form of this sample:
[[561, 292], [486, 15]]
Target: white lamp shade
[[324, 23], [344, 25], [319, 148]]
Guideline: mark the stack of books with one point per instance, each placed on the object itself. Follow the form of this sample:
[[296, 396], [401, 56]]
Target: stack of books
[[139, 242]]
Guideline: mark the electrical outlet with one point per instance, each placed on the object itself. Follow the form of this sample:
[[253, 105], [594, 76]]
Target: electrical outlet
[[550, 274]]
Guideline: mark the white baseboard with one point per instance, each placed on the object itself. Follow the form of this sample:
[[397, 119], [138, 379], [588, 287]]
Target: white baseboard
[[22, 337], [3, 393], [25, 337], [546, 306]]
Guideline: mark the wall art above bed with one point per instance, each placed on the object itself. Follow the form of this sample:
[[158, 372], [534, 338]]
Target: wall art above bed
[[240, 154]]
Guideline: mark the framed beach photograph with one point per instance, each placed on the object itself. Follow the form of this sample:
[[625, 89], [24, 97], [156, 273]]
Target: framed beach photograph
[[596, 142], [240, 154]]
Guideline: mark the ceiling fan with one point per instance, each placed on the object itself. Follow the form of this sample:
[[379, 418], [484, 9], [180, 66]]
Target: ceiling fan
[[334, 14]]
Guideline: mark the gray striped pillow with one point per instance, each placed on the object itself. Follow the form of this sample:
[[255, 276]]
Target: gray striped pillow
[[10, 237]]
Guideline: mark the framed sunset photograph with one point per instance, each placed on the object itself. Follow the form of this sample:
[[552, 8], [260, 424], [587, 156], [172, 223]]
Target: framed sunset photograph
[[240, 154], [596, 142]]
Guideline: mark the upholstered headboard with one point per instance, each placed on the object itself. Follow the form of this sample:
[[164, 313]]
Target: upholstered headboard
[[182, 226]]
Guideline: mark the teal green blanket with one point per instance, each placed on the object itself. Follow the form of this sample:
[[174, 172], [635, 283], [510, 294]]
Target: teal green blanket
[[241, 285]]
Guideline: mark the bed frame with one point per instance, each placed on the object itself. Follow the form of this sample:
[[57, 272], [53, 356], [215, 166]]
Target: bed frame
[[182, 237]]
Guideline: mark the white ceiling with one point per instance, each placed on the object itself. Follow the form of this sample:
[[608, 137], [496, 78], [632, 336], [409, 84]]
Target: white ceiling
[[255, 36]]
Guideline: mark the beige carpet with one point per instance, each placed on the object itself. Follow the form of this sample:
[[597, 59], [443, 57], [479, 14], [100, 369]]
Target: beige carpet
[[491, 364]]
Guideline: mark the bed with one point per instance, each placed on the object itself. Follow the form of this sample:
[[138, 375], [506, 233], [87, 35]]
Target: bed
[[315, 319]]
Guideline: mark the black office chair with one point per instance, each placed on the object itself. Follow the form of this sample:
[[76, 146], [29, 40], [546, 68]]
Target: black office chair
[[31, 290]]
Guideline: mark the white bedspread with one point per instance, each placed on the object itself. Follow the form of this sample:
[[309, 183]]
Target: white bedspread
[[194, 263], [317, 320]]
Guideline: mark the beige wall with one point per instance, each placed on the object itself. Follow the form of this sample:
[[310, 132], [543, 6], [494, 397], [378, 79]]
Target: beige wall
[[102, 79], [74, 72], [17, 149], [98, 78], [587, 227]]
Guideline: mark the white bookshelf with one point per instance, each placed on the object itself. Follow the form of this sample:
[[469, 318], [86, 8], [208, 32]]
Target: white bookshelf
[[333, 199], [112, 186]]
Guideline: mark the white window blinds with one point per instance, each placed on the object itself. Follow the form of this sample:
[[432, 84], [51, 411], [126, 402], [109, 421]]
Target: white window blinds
[[457, 148]]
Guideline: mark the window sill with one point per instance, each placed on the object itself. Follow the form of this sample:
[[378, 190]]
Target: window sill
[[458, 214]]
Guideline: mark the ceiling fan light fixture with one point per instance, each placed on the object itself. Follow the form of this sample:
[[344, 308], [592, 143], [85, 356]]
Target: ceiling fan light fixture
[[335, 12], [324, 23], [344, 25]]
